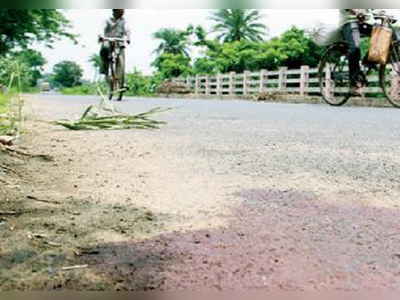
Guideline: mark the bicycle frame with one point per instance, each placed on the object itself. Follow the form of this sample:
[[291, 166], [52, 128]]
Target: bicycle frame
[[116, 46]]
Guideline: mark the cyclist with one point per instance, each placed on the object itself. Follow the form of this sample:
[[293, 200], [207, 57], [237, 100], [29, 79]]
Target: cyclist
[[353, 26], [116, 27]]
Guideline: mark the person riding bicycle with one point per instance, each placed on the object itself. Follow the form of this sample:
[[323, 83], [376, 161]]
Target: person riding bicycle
[[354, 26], [116, 27]]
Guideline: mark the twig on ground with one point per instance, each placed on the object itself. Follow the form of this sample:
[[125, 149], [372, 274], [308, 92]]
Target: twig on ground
[[10, 213], [13, 151], [74, 267], [52, 244], [7, 140], [42, 200]]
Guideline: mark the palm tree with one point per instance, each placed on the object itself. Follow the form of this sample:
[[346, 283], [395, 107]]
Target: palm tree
[[239, 24], [317, 32], [173, 41], [95, 60]]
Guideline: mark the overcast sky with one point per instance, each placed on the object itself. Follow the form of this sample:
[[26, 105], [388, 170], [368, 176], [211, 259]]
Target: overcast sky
[[88, 23]]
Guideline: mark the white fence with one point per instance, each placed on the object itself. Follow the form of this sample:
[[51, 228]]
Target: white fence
[[302, 82]]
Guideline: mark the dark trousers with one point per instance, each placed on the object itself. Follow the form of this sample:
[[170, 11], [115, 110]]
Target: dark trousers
[[352, 33], [105, 54]]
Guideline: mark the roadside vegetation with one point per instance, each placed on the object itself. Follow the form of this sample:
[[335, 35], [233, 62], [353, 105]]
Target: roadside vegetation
[[237, 41], [21, 68]]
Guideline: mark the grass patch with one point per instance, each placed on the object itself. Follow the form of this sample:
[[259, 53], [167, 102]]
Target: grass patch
[[4, 104], [80, 90], [11, 118]]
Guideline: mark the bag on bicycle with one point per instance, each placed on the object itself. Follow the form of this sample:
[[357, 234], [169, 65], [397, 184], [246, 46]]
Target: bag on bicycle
[[380, 45]]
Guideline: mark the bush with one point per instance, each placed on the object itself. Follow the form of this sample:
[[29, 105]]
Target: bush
[[140, 85], [86, 89]]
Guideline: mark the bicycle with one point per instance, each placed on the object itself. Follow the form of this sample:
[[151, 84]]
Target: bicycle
[[334, 76], [115, 74]]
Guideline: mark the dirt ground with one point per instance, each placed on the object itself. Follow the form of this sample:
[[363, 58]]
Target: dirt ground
[[105, 211]]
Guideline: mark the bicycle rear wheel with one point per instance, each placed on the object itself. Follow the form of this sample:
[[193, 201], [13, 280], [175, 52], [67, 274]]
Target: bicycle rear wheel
[[120, 77], [334, 76]]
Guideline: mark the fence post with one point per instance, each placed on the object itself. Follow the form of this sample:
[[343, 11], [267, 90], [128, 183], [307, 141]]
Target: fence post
[[328, 77], [197, 85], [246, 76], [394, 93], [208, 86], [232, 85], [189, 82], [282, 79], [304, 80], [263, 81], [219, 84]]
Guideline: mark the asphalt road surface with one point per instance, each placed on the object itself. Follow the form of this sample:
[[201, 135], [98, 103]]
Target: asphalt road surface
[[253, 196]]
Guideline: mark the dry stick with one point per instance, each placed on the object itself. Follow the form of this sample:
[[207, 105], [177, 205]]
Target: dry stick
[[12, 150], [21, 153], [9, 213], [52, 244], [74, 267], [42, 200]]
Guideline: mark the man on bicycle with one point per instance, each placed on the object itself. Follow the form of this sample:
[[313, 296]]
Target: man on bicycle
[[354, 26], [116, 27]]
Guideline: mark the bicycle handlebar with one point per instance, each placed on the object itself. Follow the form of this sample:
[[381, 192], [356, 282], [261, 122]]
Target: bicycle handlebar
[[381, 15], [111, 39]]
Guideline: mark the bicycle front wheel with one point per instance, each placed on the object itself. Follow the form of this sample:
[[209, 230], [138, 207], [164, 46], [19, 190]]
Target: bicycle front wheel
[[394, 58], [390, 83], [334, 76]]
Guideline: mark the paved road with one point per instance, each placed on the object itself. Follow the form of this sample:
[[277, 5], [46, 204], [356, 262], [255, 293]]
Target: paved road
[[264, 196], [296, 146]]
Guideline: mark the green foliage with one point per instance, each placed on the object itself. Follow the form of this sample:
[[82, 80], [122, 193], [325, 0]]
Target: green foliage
[[67, 74], [20, 27], [299, 49], [32, 59], [173, 65], [4, 100], [17, 73], [293, 49], [173, 41], [84, 89], [235, 25], [140, 85], [95, 60], [11, 119]]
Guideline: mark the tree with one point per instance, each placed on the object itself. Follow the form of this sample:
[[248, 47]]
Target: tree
[[20, 27], [34, 61], [299, 49], [173, 41], [140, 84], [67, 74], [172, 65], [235, 25], [95, 60], [293, 49]]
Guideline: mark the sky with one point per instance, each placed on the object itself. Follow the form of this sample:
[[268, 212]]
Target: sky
[[88, 24]]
